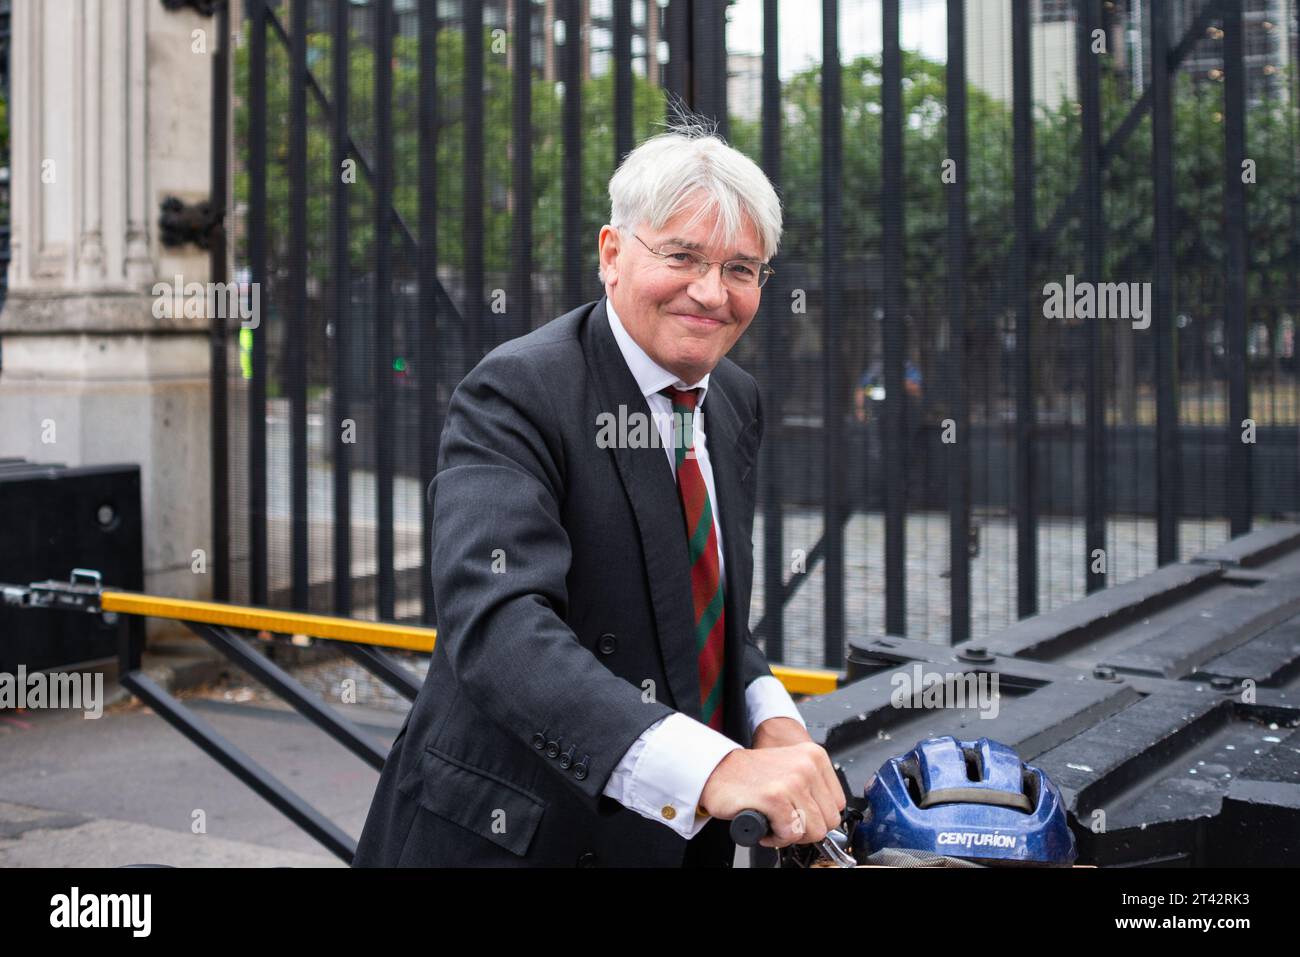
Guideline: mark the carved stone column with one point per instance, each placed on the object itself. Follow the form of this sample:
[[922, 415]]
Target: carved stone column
[[111, 113]]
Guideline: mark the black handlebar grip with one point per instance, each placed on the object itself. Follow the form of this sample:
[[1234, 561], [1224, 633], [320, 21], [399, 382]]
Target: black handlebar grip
[[749, 827]]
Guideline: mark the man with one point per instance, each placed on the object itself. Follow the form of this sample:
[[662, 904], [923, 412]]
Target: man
[[595, 697]]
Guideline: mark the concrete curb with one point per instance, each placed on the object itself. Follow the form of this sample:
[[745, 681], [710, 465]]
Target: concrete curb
[[174, 667]]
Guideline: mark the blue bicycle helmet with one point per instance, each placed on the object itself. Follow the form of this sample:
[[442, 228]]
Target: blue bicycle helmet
[[974, 800]]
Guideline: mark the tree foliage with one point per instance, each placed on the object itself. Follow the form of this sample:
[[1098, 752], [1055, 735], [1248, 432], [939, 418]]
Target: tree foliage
[[1128, 202]]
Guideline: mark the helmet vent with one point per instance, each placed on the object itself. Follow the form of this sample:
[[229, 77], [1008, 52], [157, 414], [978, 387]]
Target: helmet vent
[[1029, 785], [974, 770], [911, 771]]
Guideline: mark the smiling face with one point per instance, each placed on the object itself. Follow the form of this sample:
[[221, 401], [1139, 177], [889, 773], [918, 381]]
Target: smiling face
[[686, 324]]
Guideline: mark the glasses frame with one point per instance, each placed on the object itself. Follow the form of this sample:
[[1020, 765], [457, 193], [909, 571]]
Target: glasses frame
[[765, 272]]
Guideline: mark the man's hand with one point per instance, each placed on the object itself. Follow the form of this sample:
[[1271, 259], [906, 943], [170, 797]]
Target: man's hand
[[779, 733], [794, 785]]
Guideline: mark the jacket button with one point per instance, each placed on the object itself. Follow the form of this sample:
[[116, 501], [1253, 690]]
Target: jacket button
[[552, 749], [587, 860], [567, 757], [607, 644], [580, 769], [539, 740]]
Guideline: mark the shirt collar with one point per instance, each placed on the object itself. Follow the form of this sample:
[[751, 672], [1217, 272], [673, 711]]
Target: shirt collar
[[650, 376]]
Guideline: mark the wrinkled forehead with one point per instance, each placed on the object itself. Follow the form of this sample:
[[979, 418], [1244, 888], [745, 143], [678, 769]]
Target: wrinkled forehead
[[700, 226]]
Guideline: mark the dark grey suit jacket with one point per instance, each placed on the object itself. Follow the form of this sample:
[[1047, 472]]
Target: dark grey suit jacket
[[564, 611]]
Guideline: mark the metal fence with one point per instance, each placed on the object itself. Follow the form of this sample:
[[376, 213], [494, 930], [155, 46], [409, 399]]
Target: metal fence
[[1032, 331]]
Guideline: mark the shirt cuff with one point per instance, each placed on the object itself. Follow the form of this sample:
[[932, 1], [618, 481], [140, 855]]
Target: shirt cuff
[[663, 773], [767, 698]]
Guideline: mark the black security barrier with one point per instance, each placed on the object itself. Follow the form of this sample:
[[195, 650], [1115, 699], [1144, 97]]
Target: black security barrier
[[1165, 708], [82, 602]]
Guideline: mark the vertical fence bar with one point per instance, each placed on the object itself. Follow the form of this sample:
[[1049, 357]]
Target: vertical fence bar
[[623, 74], [1239, 486], [1088, 20], [832, 398], [220, 268], [257, 558], [1168, 479], [472, 110], [521, 111], [703, 69], [719, 54], [342, 285], [772, 310], [572, 67], [1021, 272], [299, 333], [896, 426], [677, 76], [708, 69], [384, 304], [1293, 104], [958, 453], [429, 365]]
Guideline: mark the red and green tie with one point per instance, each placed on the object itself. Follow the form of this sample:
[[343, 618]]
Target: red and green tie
[[702, 541]]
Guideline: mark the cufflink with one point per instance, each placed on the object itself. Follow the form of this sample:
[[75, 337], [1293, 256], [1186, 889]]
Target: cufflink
[[669, 812]]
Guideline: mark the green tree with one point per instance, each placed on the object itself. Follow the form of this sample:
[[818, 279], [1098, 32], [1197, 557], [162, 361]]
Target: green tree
[[1127, 195]]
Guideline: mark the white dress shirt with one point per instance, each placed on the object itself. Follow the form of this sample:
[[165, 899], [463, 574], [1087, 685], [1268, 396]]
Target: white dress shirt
[[663, 773]]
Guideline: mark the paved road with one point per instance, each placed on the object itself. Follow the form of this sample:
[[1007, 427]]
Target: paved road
[[124, 789]]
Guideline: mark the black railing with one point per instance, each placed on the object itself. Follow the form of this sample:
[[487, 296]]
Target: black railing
[[904, 318]]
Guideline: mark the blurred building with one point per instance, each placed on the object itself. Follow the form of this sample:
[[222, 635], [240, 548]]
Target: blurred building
[[1052, 54], [1270, 46]]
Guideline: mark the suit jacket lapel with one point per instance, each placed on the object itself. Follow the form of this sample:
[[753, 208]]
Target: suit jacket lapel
[[648, 481], [731, 461]]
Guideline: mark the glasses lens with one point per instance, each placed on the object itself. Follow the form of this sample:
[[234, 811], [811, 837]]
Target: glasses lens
[[680, 258], [741, 273], [744, 272]]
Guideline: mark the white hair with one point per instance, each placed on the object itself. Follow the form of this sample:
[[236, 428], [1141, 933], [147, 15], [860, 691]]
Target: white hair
[[659, 179]]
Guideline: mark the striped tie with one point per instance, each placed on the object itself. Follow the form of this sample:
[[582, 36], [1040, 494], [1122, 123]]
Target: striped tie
[[702, 542]]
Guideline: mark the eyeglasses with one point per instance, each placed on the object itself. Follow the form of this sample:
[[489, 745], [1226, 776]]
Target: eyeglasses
[[739, 273]]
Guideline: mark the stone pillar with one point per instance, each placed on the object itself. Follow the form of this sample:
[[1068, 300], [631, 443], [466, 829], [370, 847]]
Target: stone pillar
[[111, 113]]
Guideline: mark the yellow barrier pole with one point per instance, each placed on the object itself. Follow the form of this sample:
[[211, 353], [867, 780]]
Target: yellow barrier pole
[[383, 634], [408, 637]]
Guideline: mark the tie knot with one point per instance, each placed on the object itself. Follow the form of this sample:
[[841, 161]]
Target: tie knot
[[682, 398]]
